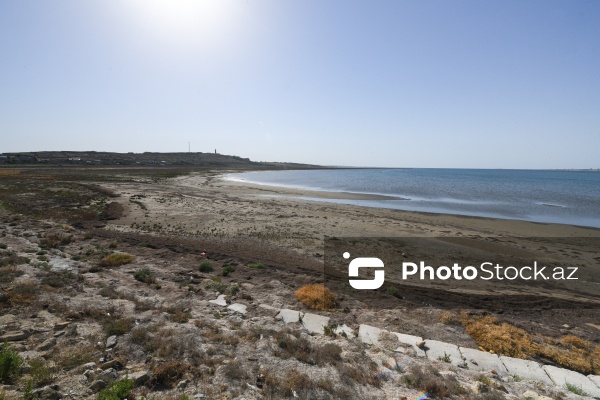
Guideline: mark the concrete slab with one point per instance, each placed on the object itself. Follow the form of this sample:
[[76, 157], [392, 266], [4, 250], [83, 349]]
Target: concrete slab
[[526, 369], [411, 341], [482, 361], [562, 376], [595, 379], [345, 329], [268, 307], [220, 301], [237, 307], [288, 316], [314, 323], [369, 334], [437, 350]]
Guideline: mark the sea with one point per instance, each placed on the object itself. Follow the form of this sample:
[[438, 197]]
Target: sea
[[556, 196]]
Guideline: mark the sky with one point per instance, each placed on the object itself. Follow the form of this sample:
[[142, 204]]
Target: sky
[[455, 84]]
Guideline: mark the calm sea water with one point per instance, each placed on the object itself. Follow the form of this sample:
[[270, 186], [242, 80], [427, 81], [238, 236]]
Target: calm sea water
[[569, 197]]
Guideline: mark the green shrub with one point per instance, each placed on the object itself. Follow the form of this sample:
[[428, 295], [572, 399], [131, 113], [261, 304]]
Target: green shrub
[[119, 390], [10, 364], [206, 266], [144, 275], [42, 373], [118, 326], [575, 389], [228, 269], [256, 266], [393, 291]]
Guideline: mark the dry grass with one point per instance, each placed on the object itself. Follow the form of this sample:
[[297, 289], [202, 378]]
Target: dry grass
[[435, 384], [316, 296], [116, 259], [569, 352], [169, 373]]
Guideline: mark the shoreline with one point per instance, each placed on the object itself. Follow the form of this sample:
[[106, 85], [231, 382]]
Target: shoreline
[[337, 197]]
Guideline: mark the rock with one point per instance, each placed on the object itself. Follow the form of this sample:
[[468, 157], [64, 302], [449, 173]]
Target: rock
[[98, 385], [182, 384], [47, 345], [479, 388], [46, 393], [90, 365], [59, 326], [116, 364], [111, 342], [239, 308], [260, 380], [13, 336], [108, 375], [562, 377], [420, 344], [140, 378], [345, 331], [531, 395], [220, 301], [88, 373]]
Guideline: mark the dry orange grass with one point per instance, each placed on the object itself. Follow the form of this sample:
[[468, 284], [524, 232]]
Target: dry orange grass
[[316, 296], [116, 259], [570, 351], [9, 172]]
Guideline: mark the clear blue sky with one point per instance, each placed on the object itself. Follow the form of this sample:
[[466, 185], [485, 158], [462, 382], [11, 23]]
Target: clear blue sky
[[509, 84]]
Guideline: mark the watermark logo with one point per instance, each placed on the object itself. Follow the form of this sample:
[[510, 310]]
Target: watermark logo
[[365, 262]]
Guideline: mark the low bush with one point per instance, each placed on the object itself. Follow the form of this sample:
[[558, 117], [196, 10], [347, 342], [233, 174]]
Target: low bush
[[117, 326], [119, 390], [206, 266], [116, 259], [431, 381], [228, 269], [10, 364], [256, 266], [169, 373], [55, 240], [316, 296], [42, 372], [144, 275]]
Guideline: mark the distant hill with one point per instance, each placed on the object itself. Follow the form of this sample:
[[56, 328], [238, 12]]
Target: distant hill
[[139, 159]]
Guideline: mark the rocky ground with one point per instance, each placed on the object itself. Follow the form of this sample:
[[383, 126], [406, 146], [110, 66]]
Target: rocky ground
[[92, 309]]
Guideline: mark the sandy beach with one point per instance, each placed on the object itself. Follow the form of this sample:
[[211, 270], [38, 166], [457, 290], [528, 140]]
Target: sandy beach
[[277, 227]]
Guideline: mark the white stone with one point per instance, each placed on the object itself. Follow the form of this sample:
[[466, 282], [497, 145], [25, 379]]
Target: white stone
[[288, 316], [411, 341], [220, 301], [369, 334], [59, 264], [526, 369], [437, 350], [268, 307], [314, 323], [345, 329], [483, 361], [562, 376], [595, 379], [111, 341], [239, 308]]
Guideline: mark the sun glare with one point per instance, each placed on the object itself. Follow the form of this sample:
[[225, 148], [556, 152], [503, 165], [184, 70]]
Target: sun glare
[[184, 21]]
